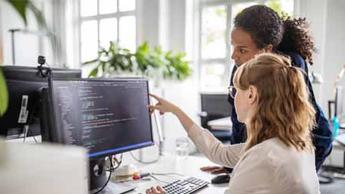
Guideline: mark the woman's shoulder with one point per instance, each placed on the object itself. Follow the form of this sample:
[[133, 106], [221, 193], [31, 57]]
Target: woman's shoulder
[[274, 150], [269, 150], [283, 164], [296, 59], [269, 144]]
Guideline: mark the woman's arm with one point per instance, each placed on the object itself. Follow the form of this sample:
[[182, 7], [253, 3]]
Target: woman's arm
[[210, 146]]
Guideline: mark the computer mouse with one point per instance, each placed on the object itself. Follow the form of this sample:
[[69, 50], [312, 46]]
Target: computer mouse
[[221, 179]]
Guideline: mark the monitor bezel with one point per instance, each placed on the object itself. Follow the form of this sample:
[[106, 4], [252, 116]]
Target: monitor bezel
[[100, 154]]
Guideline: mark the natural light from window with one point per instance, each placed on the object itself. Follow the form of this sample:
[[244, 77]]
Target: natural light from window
[[103, 21], [215, 56]]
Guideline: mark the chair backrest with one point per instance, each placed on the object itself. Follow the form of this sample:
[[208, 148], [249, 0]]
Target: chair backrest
[[214, 106]]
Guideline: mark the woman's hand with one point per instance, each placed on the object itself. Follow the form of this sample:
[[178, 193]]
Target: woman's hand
[[157, 190], [162, 105], [214, 169]]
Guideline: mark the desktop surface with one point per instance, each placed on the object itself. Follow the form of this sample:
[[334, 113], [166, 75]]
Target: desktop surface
[[170, 163], [221, 124]]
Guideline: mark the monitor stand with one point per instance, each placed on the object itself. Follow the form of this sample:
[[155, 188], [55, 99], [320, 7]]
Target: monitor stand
[[97, 173], [99, 177]]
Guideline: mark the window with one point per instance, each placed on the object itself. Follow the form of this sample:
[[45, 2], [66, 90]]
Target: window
[[102, 21], [216, 24]]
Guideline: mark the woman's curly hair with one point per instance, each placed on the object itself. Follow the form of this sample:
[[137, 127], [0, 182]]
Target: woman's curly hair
[[285, 34]]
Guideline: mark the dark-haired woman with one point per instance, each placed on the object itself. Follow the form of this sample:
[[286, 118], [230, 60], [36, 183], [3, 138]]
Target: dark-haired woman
[[259, 29]]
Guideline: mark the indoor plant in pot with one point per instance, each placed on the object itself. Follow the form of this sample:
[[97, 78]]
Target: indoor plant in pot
[[145, 61]]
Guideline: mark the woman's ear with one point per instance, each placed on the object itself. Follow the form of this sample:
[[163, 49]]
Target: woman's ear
[[252, 94], [268, 48]]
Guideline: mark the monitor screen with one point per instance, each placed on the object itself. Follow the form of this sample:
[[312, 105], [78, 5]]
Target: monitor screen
[[105, 116], [24, 86]]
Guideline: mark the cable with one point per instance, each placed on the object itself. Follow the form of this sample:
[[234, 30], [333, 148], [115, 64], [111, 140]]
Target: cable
[[333, 172], [167, 174], [325, 179], [26, 130], [105, 184], [149, 162], [118, 163], [35, 139], [334, 169]]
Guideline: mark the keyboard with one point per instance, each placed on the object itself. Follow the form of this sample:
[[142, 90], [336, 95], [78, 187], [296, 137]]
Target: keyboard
[[185, 186]]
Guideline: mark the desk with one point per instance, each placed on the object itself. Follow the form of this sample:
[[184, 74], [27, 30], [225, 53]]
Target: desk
[[340, 141], [189, 166], [221, 124]]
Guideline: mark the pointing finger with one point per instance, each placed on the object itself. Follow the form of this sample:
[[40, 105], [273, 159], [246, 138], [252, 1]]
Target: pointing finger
[[155, 97]]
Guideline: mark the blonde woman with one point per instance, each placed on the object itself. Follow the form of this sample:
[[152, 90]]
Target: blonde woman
[[278, 156]]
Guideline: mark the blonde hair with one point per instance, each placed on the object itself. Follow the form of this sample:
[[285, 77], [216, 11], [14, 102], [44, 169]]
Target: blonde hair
[[283, 108]]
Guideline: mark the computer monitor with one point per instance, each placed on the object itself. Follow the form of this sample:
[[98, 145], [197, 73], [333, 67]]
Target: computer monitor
[[24, 85], [105, 116], [213, 106]]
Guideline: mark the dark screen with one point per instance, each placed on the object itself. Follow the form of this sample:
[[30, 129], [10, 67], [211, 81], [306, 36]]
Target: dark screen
[[105, 116], [215, 104], [24, 86]]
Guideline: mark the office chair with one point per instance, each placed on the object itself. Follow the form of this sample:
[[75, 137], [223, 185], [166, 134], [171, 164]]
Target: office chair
[[215, 106]]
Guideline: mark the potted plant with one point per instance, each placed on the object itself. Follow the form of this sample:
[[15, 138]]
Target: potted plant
[[148, 62]]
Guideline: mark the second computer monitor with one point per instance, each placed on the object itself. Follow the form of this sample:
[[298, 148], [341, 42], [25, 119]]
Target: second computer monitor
[[25, 85], [105, 116]]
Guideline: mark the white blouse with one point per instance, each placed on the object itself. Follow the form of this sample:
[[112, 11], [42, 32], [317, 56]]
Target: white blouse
[[268, 167]]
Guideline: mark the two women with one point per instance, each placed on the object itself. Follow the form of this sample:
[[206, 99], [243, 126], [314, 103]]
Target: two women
[[276, 120], [278, 155], [259, 29]]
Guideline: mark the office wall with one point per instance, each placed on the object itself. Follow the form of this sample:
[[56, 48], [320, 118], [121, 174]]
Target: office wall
[[334, 47], [316, 13], [327, 26], [171, 35], [1, 44], [7, 12], [27, 45]]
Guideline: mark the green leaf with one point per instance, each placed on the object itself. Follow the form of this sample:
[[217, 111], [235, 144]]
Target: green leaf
[[93, 73], [38, 15], [3, 94], [20, 6]]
